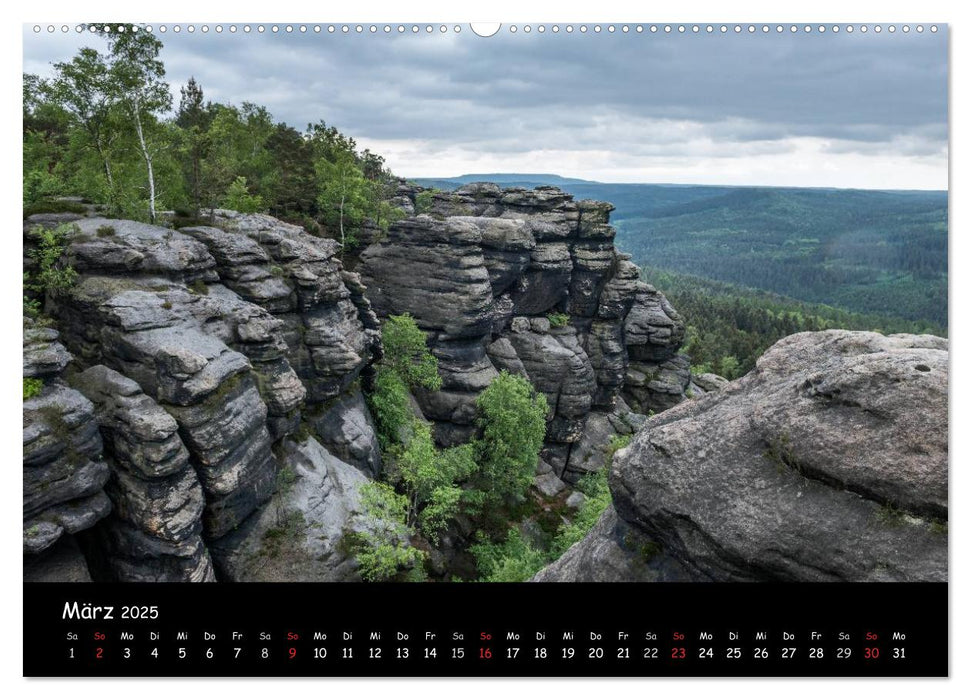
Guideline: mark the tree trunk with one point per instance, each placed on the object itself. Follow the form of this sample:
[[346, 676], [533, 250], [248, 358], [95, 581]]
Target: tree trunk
[[148, 163], [342, 225]]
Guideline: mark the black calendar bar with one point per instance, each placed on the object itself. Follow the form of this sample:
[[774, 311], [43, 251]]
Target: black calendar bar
[[347, 630]]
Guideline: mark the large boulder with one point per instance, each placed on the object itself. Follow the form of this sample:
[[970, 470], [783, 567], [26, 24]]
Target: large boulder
[[614, 551], [828, 462]]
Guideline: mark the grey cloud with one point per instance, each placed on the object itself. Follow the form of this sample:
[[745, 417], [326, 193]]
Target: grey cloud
[[649, 94]]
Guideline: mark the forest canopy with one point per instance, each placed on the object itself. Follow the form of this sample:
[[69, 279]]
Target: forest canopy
[[105, 127]]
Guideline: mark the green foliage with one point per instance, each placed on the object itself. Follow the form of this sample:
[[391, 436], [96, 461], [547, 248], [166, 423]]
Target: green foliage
[[382, 546], [514, 559], [54, 206], [39, 186], [105, 231], [285, 479], [32, 387], [594, 487], [54, 275], [558, 320], [424, 201], [513, 423], [239, 199], [406, 353], [430, 480], [616, 442], [344, 197], [406, 364], [98, 128], [388, 401], [199, 288]]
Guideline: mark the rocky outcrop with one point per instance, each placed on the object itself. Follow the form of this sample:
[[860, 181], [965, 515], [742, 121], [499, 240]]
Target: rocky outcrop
[[614, 551], [346, 429], [63, 471], [298, 536], [527, 281], [828, 462], [205, 349], [154, 532]]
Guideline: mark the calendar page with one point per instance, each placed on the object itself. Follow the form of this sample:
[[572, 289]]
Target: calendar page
[[450, 349]]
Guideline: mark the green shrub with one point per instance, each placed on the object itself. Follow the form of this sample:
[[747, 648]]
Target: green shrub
[[382, 547], [199, 288], [40, 185], [104, 231], [406, 364], [512, 416], [558, 320], [513, 560], [617, 442], [239, 199], [424, 201], [54, 275], [32, 387], [430, 480], [54, 206], [388, 401], [406, 353], [594, 487]]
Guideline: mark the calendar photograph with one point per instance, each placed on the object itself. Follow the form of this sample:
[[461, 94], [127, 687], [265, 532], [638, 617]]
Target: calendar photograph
[[364, 308]]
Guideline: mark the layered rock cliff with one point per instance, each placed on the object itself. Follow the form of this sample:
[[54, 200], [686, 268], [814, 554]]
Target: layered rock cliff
[[529, 281], [206, 362]]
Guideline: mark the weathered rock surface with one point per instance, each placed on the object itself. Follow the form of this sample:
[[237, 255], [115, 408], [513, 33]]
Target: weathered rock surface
[[828, 462], [297, 537], [708, 382], [44, 356], [613, 551], [346, 430], [63, 470], [205, 346], [61, 563], [154, 532]]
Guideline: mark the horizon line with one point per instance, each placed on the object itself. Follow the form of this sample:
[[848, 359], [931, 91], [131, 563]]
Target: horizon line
[[585, 181]]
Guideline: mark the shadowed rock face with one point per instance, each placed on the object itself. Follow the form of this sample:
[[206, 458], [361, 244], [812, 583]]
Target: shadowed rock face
[[154, 532], [63, 470], [204, 347], [526, 281], [298, 536], [828, 462]]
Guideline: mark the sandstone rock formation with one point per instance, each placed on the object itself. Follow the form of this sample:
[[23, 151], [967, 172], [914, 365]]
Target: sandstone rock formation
[[298, 536], [828, 462], [199, 351], [529, 281], [64, 473], [154, 532]]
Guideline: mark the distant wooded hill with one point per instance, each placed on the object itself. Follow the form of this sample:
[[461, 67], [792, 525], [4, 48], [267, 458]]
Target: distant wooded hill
[[867, 251]]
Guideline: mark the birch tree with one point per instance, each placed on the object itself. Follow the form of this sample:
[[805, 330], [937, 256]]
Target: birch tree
[[138, 77], [344, 196]]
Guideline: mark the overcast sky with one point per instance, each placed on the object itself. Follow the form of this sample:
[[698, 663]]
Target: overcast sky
[[837, 110]]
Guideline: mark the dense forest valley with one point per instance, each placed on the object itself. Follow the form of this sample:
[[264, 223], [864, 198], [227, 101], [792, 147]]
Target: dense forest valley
[[252, 352]]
